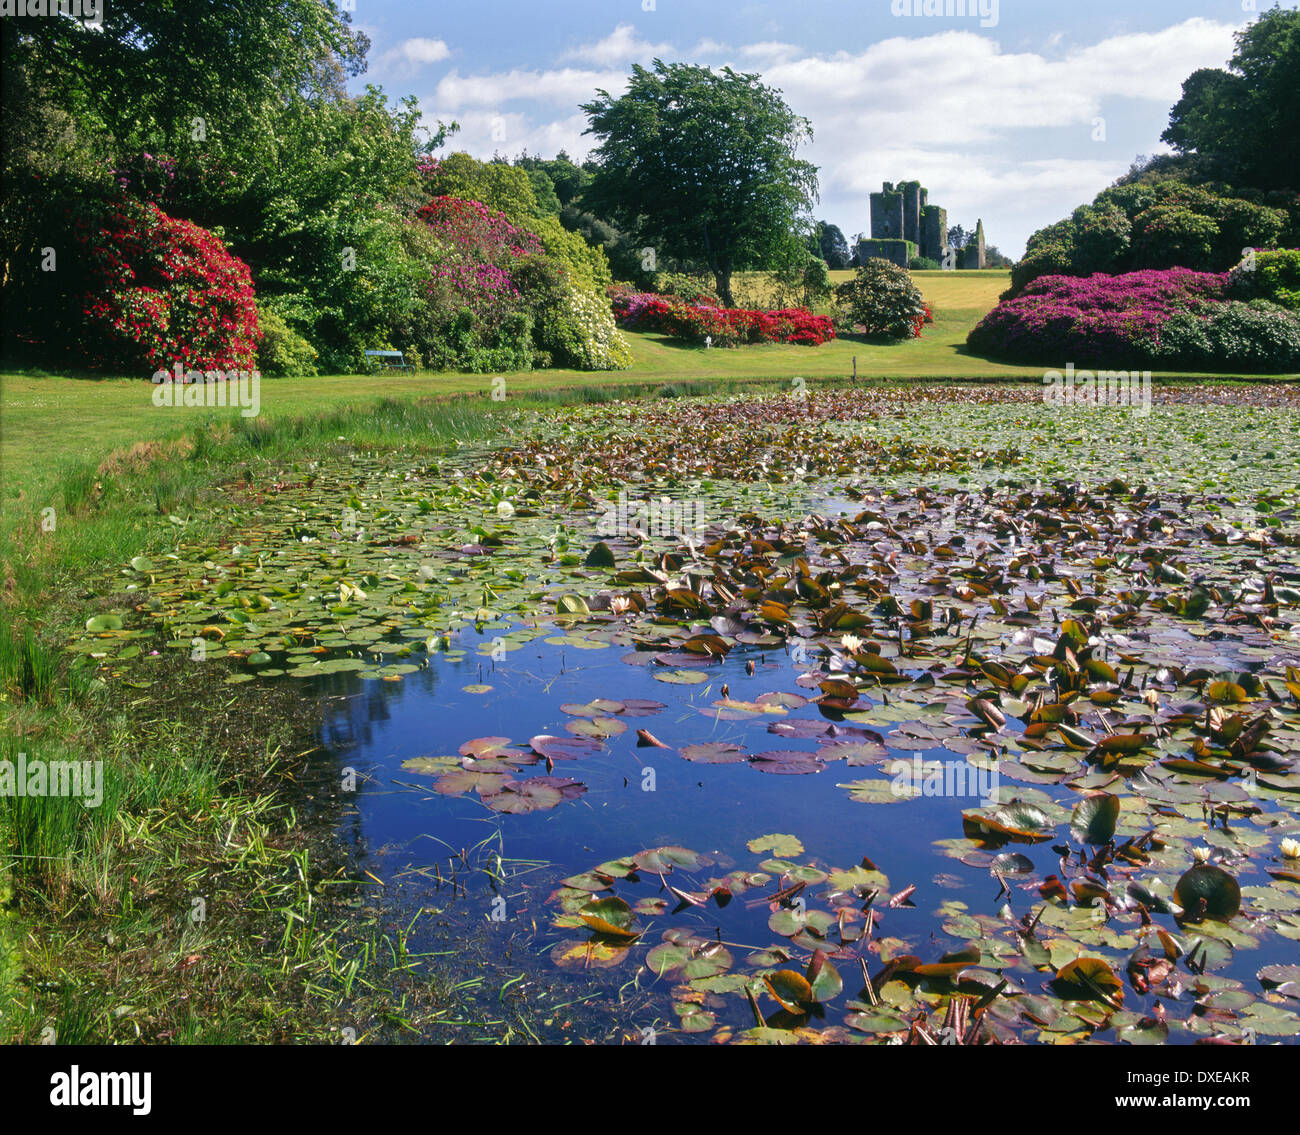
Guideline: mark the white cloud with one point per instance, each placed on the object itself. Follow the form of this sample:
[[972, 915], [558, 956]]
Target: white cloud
[[770, 52], [1153, 65], [413, 53], [568, 86], [1002, 135], [484, 133], [620, 46]]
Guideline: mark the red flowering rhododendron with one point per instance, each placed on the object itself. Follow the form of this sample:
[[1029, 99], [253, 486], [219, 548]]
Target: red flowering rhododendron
[[164, 291], [670, 315]]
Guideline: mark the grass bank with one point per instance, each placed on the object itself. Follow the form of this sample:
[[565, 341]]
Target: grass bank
[[204, 898]]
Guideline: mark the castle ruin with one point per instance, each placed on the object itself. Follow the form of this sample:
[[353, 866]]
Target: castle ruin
[[904, 226]]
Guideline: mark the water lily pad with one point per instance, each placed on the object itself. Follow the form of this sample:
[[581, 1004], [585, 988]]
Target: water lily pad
[[1207, 891], [532, 795], [1094, 817], [781, 845], [680, 677], [786, 762], [664, 859], [588, 953], [1086, 978], [611, 917], [790, 989]]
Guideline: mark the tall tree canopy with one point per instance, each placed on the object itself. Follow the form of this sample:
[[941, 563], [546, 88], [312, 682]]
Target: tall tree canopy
[[831, 245], [1249, 115], [702, 166], [231, 64]]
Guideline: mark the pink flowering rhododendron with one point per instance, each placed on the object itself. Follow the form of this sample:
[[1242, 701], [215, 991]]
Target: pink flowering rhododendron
[[165, 291], [480, 252], [1094, 319]]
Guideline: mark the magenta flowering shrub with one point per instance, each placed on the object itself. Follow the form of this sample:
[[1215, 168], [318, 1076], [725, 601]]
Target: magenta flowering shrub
[[481, 251], [161, 291], [481, 288], [498, 298], [1114, 320]]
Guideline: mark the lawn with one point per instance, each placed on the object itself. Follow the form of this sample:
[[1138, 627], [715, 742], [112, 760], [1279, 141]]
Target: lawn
[[48, 420]]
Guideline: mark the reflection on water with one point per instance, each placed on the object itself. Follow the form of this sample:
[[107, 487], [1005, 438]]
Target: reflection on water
[[417, 841]]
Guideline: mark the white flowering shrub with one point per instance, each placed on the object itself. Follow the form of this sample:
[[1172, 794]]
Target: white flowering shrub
[[580, 333]]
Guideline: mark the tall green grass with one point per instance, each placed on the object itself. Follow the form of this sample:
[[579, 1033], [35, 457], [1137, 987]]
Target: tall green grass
[[50, 837], [28, 669]]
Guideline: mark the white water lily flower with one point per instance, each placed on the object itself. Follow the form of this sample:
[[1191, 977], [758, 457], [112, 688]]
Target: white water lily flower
[[1291, 848], [851, 643], [505, 508], [1201, 854]]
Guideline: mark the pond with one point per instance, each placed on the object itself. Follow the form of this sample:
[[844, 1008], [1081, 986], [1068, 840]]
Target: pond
[[901, 716]]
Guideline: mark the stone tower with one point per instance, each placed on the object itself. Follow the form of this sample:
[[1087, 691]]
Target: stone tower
[[934, 232], [905, 225], [887, 214], [975, 255], [913, 202]]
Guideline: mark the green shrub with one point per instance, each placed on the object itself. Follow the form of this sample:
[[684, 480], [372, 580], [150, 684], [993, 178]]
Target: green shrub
[[1171, 236], [579, 332], [1185, 339], [800, 280], [692, 289], [1253, 336], [882, 299], [1275, 276], [586, 264], [923, 264], [1165, 224], [1102, 234], [817, 286], [463, 344], [1049, 258], [282, 351], [1242, 225]]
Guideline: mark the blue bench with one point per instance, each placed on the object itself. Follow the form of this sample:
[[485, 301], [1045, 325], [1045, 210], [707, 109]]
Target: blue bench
[[386, 358]]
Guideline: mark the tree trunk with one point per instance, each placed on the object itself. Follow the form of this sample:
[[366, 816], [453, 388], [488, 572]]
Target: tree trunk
[[722, 279]]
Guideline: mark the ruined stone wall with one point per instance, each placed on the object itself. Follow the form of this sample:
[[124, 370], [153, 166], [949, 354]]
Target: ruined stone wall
[[975, 254], [898, 252], [902, 215], [934, 232]]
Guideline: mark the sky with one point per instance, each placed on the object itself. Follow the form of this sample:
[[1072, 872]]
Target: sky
[[1010, 111]]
